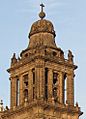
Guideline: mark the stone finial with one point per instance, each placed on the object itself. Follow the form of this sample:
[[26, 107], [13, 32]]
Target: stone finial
[[42, 14], [1, 105], [14, 55], [13, 60], [7, 108], [77, 104], [70, 56], [18, 58]]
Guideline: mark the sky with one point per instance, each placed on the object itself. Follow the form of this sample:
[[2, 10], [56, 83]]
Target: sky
[[69, 20]]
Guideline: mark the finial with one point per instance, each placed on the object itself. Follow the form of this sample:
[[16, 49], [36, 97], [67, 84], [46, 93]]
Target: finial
[[42, 14], [13, 59], [70, 56], [77, 104], [14, 55], [1, 105], [7, 108], [42, 5]]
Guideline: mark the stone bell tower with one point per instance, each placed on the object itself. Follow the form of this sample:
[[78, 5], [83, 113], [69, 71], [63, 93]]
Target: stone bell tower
[[41, 79]]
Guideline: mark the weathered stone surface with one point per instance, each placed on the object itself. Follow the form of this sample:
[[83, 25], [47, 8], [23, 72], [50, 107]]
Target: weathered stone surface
[[42, 80]]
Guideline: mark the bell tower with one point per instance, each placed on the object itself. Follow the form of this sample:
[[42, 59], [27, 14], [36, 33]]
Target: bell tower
[[41, 79]]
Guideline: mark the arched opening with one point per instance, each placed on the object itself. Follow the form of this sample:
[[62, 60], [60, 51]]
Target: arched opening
[[25, 80], [17, 91], [65, 88], [33, 73], [26, 95], [55, 86], [46, 83]]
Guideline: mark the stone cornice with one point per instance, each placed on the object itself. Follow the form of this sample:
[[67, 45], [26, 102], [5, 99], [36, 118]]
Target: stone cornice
[[46, 58], [42, 47], [45, 106]]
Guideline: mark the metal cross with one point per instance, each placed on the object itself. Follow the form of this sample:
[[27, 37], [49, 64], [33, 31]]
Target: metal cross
[[42, 5]]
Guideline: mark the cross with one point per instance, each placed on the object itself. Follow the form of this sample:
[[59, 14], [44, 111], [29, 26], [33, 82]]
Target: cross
[[42, 14], [42, 5]]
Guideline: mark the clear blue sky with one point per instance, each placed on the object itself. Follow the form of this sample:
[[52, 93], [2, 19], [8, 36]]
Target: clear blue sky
[[69, 19]]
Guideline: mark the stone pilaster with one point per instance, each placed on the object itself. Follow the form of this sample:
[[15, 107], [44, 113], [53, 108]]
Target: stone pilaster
[[37, 70], [50, 85], [13, 92], [21, 96], [61, 87], [42, 73], [70, 89], [30, 85]]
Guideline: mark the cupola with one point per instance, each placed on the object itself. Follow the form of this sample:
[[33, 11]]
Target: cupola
[[42, 32]]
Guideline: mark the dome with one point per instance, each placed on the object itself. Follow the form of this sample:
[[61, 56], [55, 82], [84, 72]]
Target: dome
[[42, 26]]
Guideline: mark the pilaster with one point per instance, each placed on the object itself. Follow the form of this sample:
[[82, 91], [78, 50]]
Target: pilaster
[[61, 87], [70, 89], [21, 96], [13, 92], [30, 85], [50, 84], [42, 73]]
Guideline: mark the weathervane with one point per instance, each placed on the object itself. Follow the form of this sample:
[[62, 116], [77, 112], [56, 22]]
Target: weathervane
[[42, 14]]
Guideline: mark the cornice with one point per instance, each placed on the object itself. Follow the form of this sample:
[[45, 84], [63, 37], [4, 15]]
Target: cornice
[[45, 106], [46, 58]]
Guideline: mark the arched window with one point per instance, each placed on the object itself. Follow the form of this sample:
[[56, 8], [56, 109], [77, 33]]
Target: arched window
[[25, 80], [33, 72], [65, 88], [46, 83], [17, 91], [55, 76], [55, 87], [26, 95]]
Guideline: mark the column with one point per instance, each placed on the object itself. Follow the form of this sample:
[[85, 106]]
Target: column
[[61, 87], [13, 92], [50, 85], [21, 97], [42, 76], [37, 70], [70, 89], [30, 85]]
